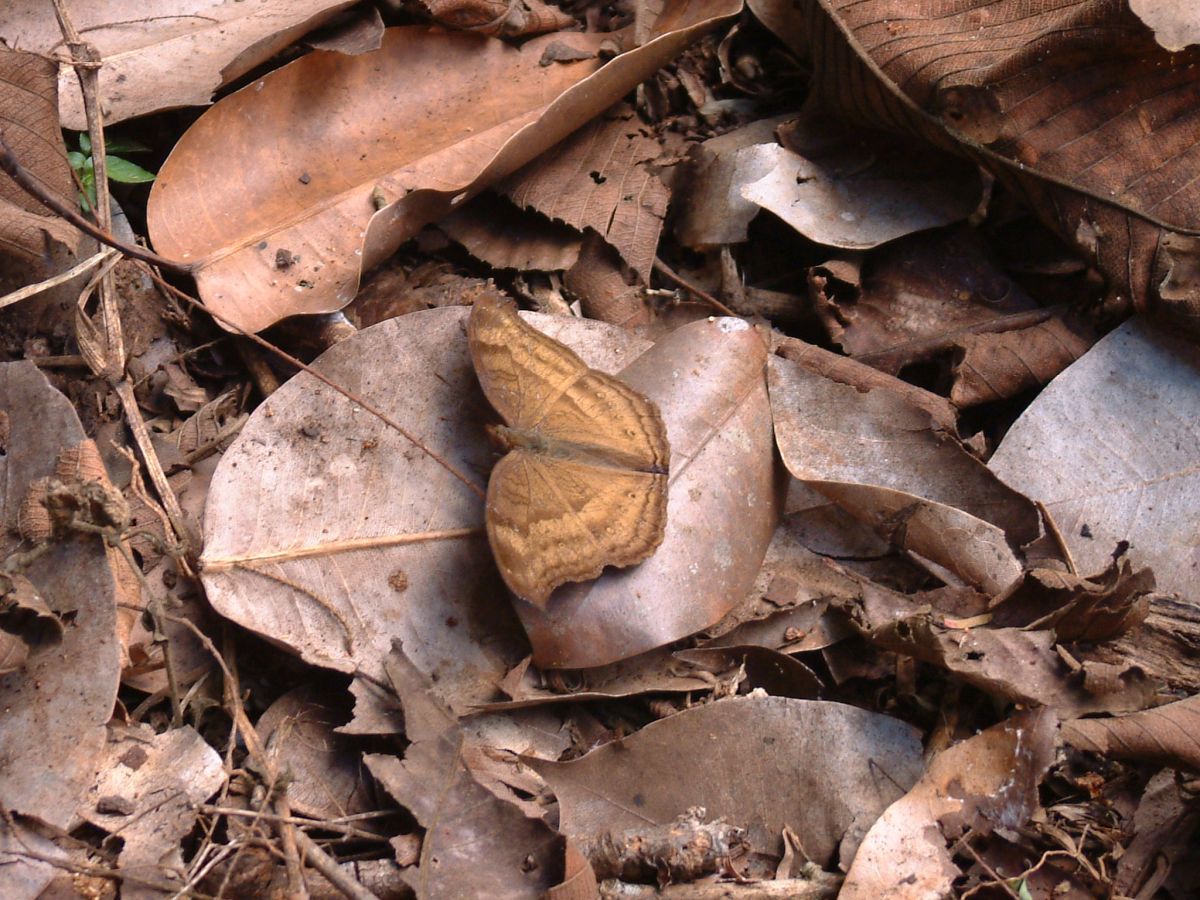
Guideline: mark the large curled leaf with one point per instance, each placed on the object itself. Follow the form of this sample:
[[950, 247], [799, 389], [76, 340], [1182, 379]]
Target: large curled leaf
[[282, 193]]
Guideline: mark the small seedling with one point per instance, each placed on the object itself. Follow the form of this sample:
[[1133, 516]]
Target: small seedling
[[119, 169]]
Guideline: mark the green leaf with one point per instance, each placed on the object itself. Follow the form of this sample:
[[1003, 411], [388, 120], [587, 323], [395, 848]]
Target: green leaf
[[1021, 886], [85, 142], [75, 158], [124, 171]]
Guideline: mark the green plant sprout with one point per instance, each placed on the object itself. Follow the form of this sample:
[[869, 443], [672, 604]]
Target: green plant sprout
[[121, 170]]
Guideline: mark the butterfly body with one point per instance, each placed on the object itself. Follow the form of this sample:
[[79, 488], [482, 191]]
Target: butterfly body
[[584, 482]]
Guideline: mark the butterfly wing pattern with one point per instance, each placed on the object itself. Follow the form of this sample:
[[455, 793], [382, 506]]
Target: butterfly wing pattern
[[584, 485]]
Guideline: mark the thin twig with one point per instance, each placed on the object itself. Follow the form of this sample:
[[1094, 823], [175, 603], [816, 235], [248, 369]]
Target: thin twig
[[31, 290], [327, 866], [691, 288]]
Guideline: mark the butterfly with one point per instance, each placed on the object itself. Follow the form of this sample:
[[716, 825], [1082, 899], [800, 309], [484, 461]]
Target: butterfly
[[583, 484]]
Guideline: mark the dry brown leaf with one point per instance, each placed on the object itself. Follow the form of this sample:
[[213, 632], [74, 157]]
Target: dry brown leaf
[[491, 229], [824, 769], [146, 792], [1110, 448], [475, 844], [600, 178], [1166, 735], [1071, 103], [55, 707], [839, 187], [888, 464], [986, 782], [29, 125], [499, 18], [281, 194], [163, 53], [711, 211], [936, 294]]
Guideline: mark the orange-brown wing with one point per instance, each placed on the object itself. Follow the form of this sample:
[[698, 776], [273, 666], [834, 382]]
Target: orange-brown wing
[[522, 371], [601, 411], [551, 520], [535, 382]]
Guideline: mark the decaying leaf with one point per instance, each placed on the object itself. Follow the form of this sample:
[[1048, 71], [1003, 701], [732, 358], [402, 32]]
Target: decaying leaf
[[56, 704], [986, 782], [165, 53], [1110, 448], [146, 792], [279, 213], [823, 769]]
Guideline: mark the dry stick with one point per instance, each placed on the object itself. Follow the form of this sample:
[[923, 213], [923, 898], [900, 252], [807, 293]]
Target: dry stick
[[327, 866], [304, 367], [32, 289], [287, 833], [691, 288], [84, 58]]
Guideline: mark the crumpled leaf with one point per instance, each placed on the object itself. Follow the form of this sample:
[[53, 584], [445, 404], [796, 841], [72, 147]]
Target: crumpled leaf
[[888, 464], [825, 770], [174, 53], [1110, 448], [1011, 663], [56, 706], [986, 782], [29, 124], [1072, 104], [279, 212], [475, 844], [841, 188], [1078, 609], [1166, 735], [329, 533], [147, 791]]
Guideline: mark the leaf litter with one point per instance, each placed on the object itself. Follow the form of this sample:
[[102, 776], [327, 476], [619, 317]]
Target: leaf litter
[[923, 619]]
